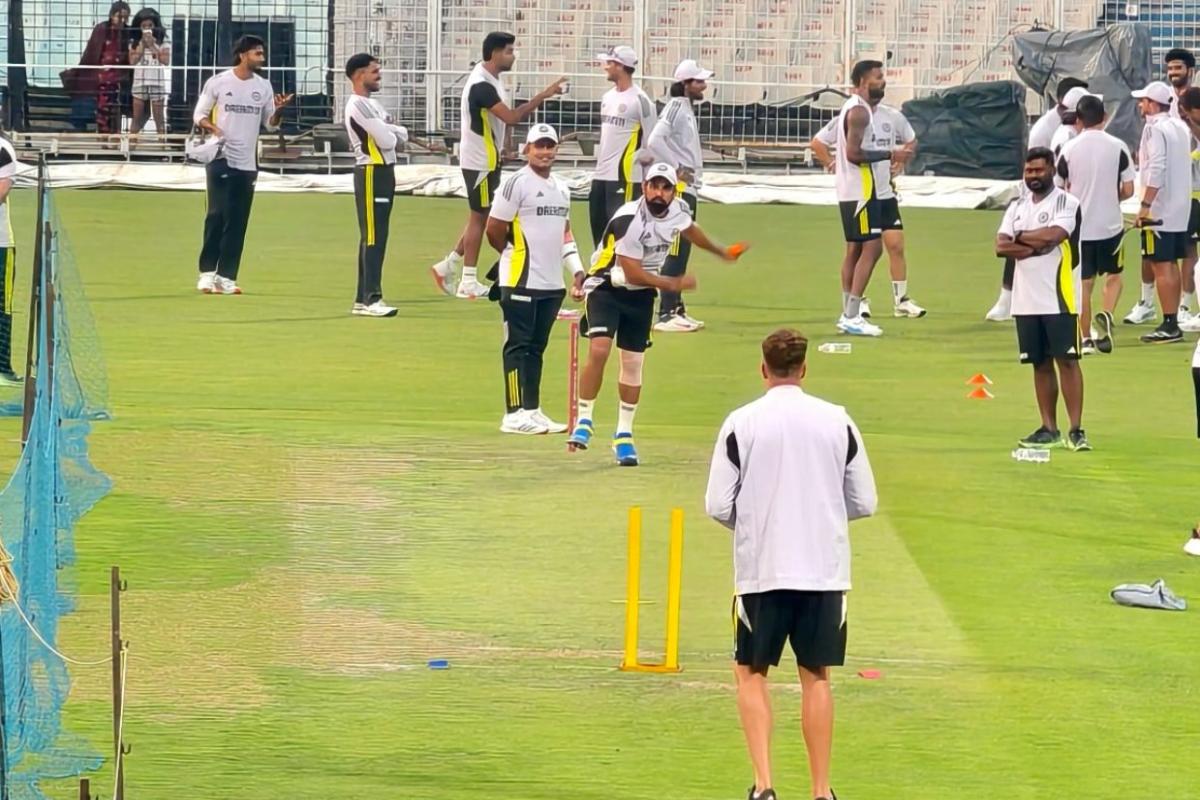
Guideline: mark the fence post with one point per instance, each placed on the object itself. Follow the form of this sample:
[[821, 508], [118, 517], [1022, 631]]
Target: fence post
[[433, 64], [640, 40], [849, 41]]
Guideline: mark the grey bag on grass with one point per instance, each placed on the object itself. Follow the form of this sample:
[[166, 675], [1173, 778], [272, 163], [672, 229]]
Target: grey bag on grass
[[1139, 595]]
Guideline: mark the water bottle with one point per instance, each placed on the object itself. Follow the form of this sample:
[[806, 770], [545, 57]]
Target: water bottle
[[834, 347], [1034, 456]]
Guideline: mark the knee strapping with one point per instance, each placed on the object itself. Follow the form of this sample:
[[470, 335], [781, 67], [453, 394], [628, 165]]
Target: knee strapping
[[631, 368]]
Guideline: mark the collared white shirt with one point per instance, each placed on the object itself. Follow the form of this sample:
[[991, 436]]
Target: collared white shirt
[[788, 473]]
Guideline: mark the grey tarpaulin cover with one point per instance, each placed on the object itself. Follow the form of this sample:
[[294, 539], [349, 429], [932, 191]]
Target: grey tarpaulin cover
[[1113, 60], [976, 130]]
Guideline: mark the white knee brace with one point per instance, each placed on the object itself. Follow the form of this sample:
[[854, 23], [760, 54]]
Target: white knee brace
[[631, 368]]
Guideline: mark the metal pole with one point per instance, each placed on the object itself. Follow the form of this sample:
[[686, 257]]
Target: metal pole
[[35, 296], [118, 692], [433, 66]]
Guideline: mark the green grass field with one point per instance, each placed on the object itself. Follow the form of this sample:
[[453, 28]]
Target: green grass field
[[309, 506]]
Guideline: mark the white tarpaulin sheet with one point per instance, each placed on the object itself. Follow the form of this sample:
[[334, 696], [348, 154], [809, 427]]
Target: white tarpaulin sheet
[[445, 181]]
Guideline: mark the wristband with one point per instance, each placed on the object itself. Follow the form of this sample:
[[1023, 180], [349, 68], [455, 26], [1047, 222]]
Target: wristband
[[570, 258]]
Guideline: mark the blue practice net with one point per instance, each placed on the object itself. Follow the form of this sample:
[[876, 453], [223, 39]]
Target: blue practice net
[[53, 485]]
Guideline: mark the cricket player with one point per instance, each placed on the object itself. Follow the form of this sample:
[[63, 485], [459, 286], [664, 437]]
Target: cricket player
[[619, 304], [530, 225]]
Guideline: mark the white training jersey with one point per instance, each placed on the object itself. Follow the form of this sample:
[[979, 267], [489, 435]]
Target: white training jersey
[[8, 171], [889, 129], [240, 109], [482, 132], [626, 119], [675, 139], [538, 209], [1195, 168], [1094, 165], [371, 131], [1165, 161], [853, 182], [647, 238], [1049, 283], [635, 233], [1064, 134], [1041, 133], [789, 471]]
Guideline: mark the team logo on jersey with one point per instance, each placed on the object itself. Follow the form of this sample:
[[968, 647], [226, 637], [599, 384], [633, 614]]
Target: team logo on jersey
[[887, 127], [1044, 216], [256, 96], [621, 108]]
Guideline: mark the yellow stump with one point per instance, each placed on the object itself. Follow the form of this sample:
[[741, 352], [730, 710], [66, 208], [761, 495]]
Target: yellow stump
[[633, 581], [633, 591]]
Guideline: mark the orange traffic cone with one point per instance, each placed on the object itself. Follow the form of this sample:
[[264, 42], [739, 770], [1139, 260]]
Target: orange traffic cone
[[979, 379], [980, 393]]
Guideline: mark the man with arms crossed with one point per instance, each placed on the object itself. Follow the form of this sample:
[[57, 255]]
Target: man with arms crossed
[[1041, 232], [789, 472]]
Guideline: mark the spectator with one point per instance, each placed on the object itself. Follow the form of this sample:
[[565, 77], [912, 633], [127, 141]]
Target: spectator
[[106, 48], [149, 53]]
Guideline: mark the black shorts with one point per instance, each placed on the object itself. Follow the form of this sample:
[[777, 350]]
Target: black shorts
[[626, 315], [1193, 231], [604, 199], [861, 220], [1045, 336], [889, 215], [1161, 246], [1102, 257], [481, 192], [814, 622]]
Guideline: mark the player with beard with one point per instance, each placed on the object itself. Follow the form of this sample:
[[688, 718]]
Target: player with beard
[[233, 106], [619, 292]]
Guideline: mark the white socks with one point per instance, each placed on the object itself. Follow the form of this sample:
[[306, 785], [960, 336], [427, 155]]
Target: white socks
[[1006, 295], [853, 307], [625, 414], [845, 302], [1189, 300], [899, 290], [468, 275], [1148, 294], [586, 407]]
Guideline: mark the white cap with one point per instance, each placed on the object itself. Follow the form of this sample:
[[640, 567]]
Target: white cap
[[689, 70], [1157, 91], [623, 55], [662, 170], [541, 131], [1074, 95]]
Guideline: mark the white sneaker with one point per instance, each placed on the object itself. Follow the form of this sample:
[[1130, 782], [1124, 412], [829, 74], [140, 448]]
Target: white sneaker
[[1140, 314], [676, 323], [205, 284], [1088, 348], [550, 425], [522, 422], [1191, 325], [1001, 312], [471, 290], [864, 309], [695, 323], [1185, 315], [907, 308], [858, 326], [1192, 546], [225, 286], [443, 273], [376, 309]]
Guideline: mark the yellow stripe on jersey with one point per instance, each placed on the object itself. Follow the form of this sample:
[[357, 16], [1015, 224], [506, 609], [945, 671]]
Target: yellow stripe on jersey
[[627, 161], [1066, 286], [488, 142], [868, 181], [1148, 242], [607, 255], [10, 273], [516, 264], [514, 388], [369, 202], [864, 224], [373, 151], [484, 200]]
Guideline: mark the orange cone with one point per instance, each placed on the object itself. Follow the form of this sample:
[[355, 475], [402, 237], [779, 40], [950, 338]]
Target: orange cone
[[980, 393], [979, 379]]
